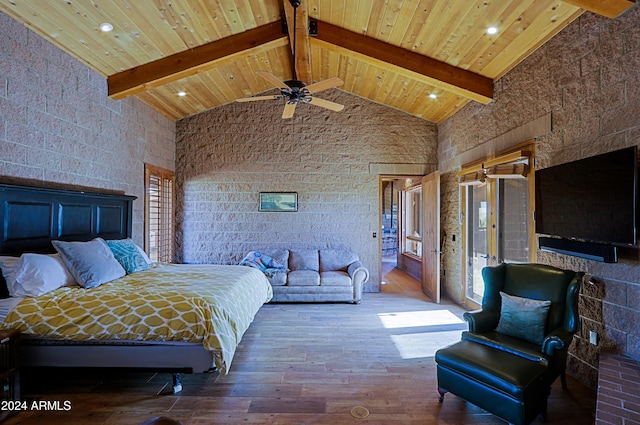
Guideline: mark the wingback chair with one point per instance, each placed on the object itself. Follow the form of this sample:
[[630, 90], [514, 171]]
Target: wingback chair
[[516, 345]]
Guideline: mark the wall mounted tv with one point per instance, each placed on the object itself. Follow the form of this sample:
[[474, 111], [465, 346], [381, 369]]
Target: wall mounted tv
[[590, 201]]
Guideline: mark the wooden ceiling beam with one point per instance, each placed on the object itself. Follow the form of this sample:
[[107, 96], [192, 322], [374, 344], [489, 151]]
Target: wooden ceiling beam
[[303, 50], [189, 62], [457, 80], [608, 8]]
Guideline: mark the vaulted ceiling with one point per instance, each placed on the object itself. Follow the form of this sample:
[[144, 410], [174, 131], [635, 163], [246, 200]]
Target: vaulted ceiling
[[394, 52]]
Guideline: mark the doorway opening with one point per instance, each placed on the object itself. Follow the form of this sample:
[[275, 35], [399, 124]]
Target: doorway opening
[[389, 222], [392, 220]]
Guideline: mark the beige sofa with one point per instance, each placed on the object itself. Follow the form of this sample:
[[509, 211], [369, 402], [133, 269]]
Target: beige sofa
[[324, 275]]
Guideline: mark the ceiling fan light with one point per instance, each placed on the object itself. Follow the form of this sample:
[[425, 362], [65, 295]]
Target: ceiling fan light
[[433, 96]]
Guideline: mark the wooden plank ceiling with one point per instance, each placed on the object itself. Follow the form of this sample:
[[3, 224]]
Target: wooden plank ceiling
[[394, 52]]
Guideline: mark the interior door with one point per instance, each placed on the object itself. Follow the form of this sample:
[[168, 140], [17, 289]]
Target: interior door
[[431, 236]]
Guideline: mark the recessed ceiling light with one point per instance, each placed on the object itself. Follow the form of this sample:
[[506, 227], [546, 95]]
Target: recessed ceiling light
[[433, 96], [182, 93], [492, 30], [106, 27]]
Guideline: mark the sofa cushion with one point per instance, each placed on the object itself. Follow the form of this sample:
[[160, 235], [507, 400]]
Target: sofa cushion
[[304, 259], [303, 278], [335, 278], [278, 278], [280, 255], [336, 259]]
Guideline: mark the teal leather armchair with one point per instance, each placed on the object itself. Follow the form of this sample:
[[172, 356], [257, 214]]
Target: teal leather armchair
[[509, 375]]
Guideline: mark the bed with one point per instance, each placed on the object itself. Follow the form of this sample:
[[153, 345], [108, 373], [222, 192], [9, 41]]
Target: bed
[[178, 318]]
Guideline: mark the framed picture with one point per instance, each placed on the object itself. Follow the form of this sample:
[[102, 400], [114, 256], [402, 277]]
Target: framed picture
[[279, 201]]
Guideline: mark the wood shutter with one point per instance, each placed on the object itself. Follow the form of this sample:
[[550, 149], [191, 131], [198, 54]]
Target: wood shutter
[[159, 213]]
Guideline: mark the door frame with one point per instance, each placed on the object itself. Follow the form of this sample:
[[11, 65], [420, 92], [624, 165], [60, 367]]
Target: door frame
[[415, 179]]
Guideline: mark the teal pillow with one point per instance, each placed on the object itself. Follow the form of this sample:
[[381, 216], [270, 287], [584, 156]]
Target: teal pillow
[[128, 255], [523, 318]]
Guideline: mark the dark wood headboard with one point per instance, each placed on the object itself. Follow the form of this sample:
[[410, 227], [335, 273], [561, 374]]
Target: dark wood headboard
[[32, 217]]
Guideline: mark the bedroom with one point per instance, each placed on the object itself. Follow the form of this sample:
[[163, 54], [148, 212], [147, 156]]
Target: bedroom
[[58, 125]]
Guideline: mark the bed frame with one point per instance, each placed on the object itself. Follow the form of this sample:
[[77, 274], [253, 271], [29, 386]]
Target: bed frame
[[31, 218]]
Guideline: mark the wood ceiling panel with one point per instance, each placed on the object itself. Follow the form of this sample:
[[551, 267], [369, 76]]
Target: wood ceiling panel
[[144, 30], [377, 81], [229, 80], [449, 32]]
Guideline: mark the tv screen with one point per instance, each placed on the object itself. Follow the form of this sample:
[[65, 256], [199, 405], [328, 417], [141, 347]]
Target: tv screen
[[594, 199]]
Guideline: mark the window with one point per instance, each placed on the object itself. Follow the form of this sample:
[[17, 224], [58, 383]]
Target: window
[[497, 215], [159, 203], [412, 221]]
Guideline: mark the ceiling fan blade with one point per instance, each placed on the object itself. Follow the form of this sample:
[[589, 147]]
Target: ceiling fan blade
[[289, 109], [324, 84], [327, 104], [273, 80], [251, 99]]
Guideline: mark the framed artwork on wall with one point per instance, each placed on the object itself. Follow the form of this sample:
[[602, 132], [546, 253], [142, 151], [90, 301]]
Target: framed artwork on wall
[[279, 201]]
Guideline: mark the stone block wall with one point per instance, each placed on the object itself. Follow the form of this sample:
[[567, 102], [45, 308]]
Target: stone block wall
[[587, 78], [58, 126], [227, 156]]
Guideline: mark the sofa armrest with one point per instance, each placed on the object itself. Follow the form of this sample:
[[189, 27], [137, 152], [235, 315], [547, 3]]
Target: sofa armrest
[[359, 275], [358, 272], [481, 320], [559, 339]]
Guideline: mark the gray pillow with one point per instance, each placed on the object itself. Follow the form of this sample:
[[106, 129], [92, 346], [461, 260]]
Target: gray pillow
[[91, 263], [523, 318]]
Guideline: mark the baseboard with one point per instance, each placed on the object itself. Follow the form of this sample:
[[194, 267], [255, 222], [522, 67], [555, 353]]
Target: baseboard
[[591, 251]]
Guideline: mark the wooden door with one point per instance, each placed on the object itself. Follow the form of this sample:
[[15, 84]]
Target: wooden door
[[431, 236]]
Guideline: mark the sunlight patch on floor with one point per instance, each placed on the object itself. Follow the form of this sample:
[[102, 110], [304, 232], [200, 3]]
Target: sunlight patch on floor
[[409, 319], [424, 344]]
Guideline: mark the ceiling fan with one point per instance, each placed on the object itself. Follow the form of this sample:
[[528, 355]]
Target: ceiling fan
[[294, 90]]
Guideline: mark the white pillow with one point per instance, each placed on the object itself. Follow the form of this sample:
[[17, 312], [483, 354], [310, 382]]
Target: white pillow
[[7, 265], [37, 274], [91, 263]]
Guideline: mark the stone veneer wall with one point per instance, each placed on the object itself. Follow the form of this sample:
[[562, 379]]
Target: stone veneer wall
[[226, 156], [587, 78], [57, 125]]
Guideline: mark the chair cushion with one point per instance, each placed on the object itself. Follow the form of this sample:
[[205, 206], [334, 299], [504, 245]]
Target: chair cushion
[[335, 278], [523, 318]]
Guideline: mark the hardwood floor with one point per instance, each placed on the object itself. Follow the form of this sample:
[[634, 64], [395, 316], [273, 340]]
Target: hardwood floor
[[302, 364]]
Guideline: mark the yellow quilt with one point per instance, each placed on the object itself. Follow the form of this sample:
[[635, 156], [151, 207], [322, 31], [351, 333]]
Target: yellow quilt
[[202, 303]]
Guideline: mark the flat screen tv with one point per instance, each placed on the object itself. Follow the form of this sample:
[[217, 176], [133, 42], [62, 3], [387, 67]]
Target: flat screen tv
[[592, 200]]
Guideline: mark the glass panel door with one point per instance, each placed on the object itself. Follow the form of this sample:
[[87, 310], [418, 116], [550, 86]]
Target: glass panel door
[[513, 220], [477, 255]]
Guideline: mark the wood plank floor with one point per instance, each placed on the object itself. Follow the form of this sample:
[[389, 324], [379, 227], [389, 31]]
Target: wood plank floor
[[302, 364]]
